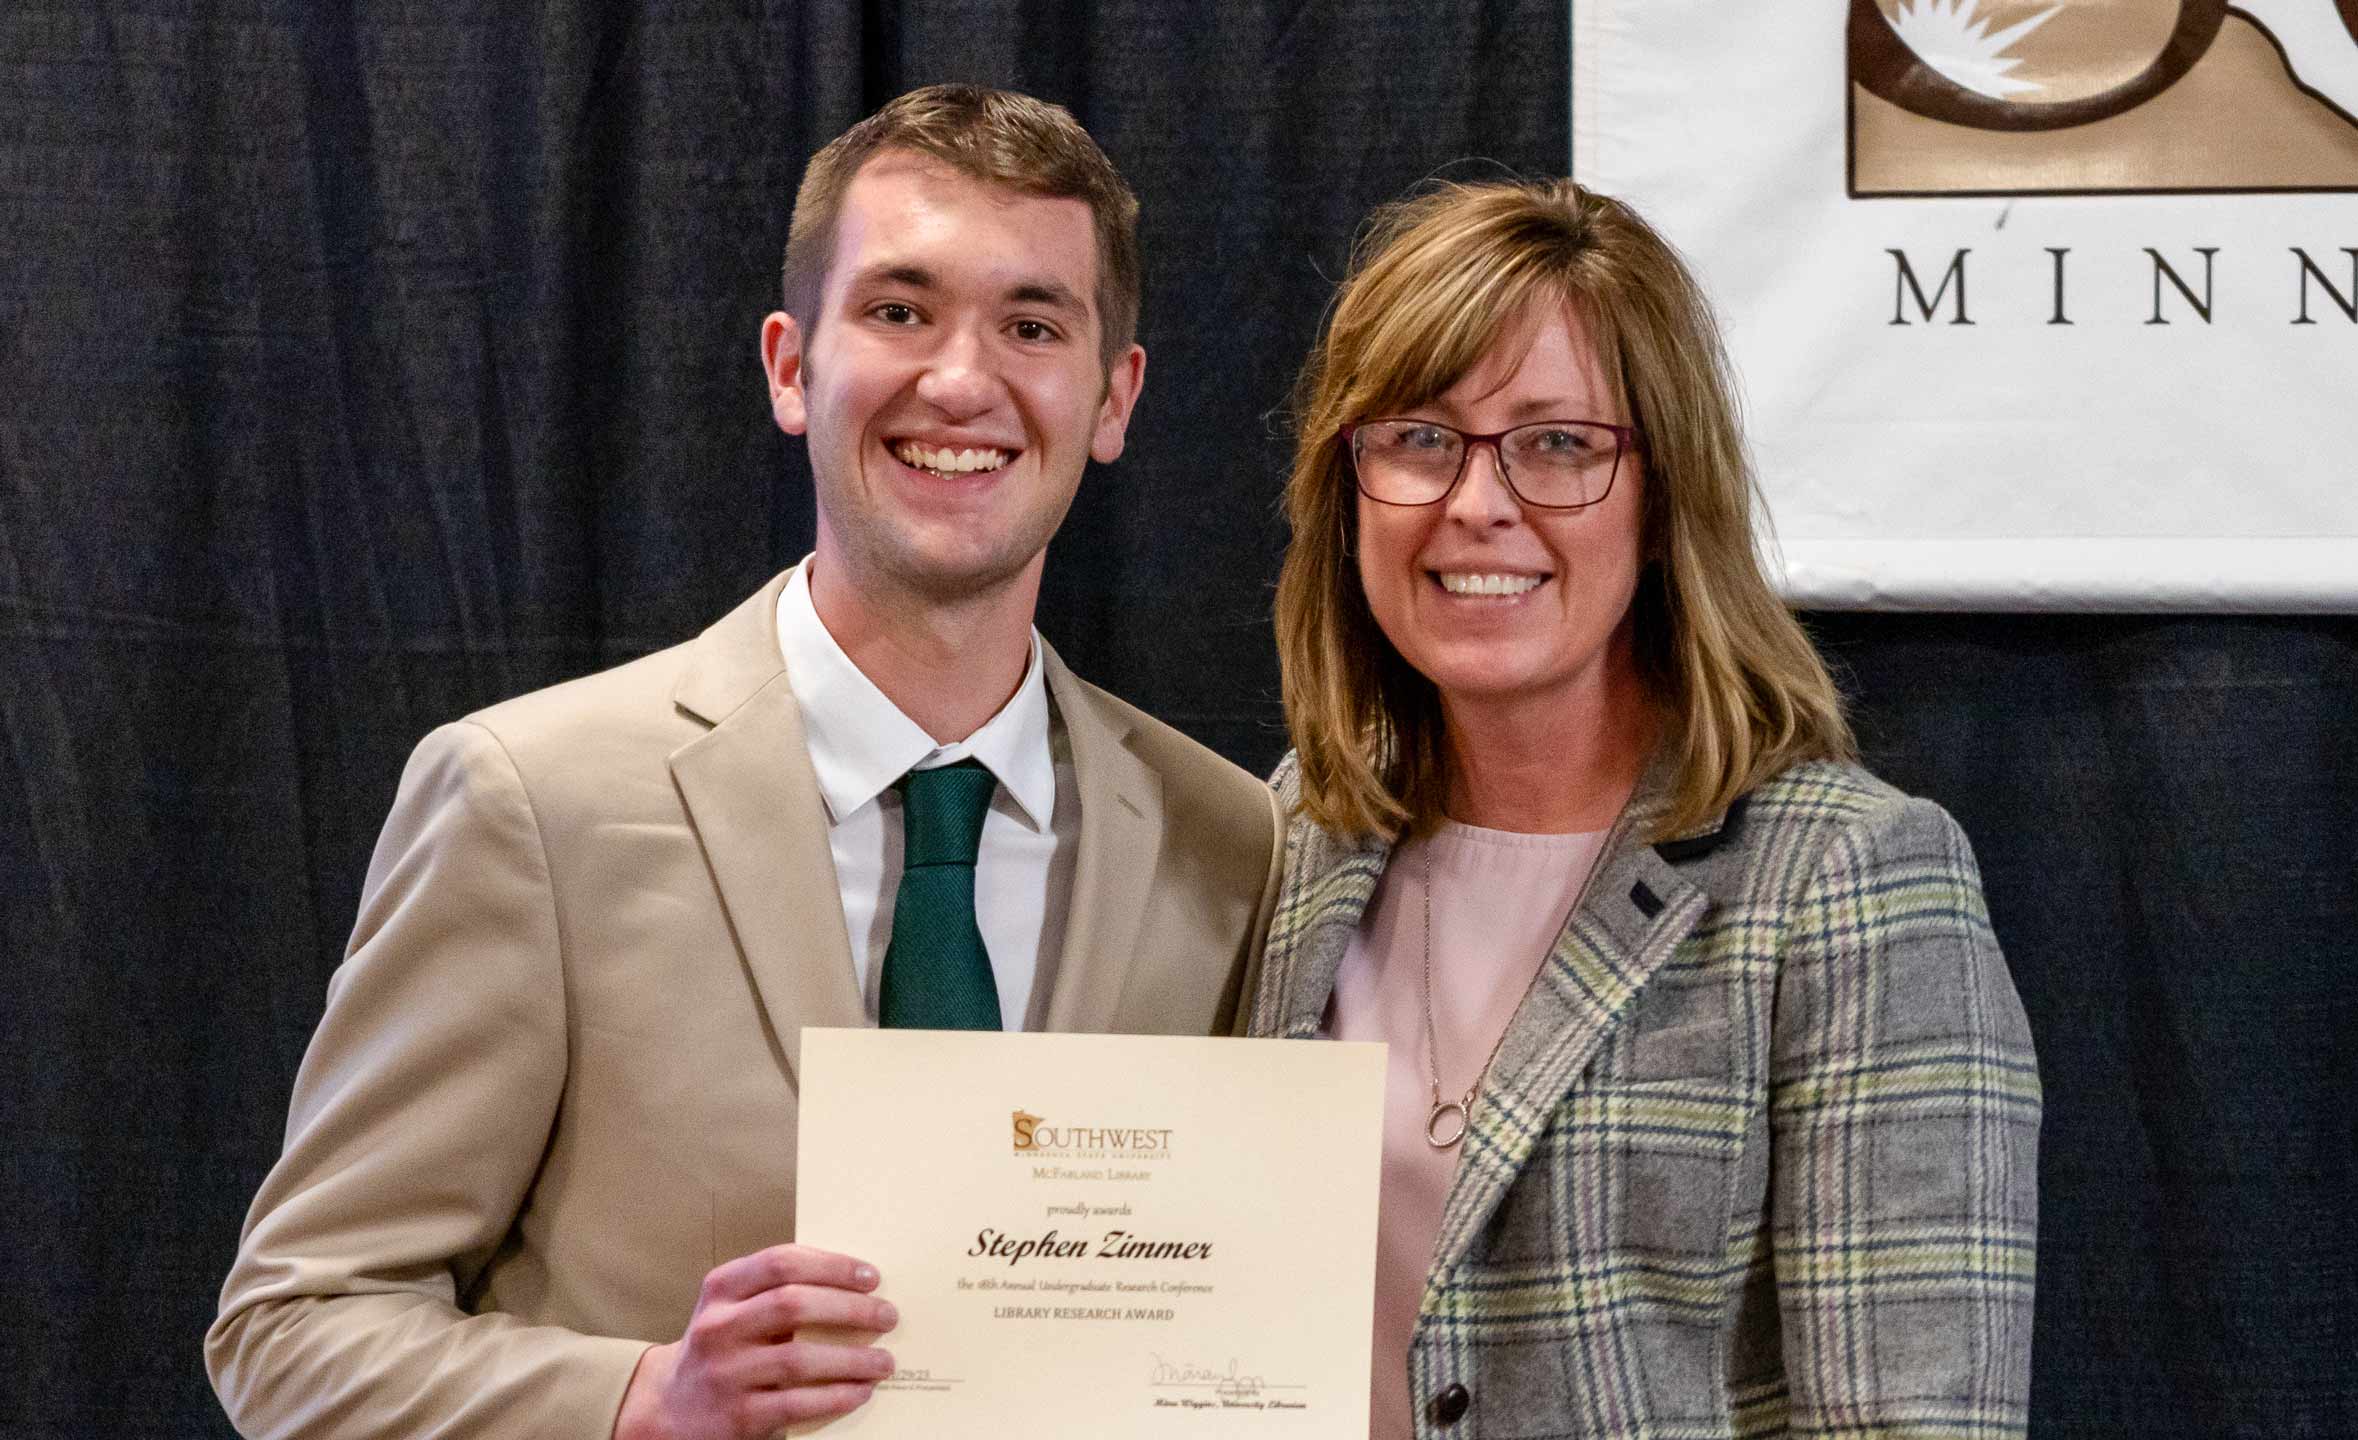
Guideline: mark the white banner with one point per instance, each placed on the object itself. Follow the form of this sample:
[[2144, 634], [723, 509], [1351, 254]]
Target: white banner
[[2035, 305]]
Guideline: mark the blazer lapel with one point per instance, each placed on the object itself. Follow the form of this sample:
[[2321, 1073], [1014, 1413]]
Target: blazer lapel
[[755, 805], [1121, 841], [1631, 917], [1328, 888]]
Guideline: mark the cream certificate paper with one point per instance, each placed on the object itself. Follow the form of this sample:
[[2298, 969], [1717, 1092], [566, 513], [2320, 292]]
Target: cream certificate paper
[[1102, 1235]]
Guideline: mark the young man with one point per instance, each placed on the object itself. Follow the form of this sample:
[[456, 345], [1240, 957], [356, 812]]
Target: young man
[[539, 1172]]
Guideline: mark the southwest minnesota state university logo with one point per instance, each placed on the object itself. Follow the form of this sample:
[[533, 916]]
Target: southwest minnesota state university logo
[[1027, 1131], [2089, 97], [1034, 1136]]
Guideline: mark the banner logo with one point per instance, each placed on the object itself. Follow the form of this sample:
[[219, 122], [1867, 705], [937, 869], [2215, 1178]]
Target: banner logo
[[2073, 97]]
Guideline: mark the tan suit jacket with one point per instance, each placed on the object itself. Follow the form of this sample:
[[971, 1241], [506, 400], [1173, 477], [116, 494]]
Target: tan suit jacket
[[556, 1079]]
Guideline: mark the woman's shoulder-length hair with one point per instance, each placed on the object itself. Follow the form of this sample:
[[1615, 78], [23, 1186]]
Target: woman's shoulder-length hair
[[1433, 282]]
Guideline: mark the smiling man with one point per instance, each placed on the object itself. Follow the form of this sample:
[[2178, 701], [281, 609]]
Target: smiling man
[[539, 1168]]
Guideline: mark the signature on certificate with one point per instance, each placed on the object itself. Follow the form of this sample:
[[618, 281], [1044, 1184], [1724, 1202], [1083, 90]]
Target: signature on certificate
[[1229, 1384]]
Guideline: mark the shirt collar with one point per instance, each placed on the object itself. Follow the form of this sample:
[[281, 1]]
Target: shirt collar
[[860, 742]]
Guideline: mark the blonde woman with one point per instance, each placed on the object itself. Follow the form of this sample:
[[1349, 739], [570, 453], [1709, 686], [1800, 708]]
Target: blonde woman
[[1713, 1110]]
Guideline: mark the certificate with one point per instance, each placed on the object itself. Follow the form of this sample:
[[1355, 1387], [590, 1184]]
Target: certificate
[[1102, 1235]]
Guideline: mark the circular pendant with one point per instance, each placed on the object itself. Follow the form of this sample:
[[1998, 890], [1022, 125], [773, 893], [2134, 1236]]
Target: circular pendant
[[1440, 1132]]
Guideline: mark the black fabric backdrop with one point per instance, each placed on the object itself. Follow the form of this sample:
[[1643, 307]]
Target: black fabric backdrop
[[362, 364]]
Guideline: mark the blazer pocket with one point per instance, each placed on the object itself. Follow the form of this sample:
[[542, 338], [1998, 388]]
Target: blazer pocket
[[1679, 1027], [1696, 1048]]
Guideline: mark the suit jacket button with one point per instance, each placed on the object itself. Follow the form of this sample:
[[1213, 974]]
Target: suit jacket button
[[1451, 1405]]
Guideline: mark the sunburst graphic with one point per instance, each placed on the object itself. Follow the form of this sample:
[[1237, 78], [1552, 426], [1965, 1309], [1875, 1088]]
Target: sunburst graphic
[[1953, 37]]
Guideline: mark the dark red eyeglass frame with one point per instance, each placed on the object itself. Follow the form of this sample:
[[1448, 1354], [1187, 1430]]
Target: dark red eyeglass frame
[[1627, 437]]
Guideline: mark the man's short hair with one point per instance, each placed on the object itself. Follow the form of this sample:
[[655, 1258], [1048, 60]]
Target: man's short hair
[[993, 135]]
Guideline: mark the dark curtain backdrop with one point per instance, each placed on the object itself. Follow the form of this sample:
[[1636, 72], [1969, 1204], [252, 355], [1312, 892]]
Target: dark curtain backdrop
[[361, 364]]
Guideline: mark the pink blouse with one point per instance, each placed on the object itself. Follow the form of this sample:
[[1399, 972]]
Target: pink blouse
[[1499, 901]]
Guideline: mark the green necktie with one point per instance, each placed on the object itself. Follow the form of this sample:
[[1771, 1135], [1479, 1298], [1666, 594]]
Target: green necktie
[[937, 976]]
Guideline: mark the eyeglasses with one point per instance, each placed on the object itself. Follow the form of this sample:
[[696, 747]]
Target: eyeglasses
[[1548, 465]]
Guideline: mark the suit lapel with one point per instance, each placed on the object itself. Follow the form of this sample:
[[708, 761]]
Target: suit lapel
[[755, 805], [1630, 919], [1632, 914], [1328, 889], [1121, 842]]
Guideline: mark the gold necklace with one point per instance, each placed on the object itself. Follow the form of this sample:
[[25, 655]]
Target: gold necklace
[[1437, 1119]]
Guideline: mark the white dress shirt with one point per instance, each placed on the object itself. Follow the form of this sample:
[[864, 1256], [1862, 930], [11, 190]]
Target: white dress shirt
[[860, 743]]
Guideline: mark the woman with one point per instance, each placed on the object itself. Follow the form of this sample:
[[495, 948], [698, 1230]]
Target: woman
[[1713, 1110]]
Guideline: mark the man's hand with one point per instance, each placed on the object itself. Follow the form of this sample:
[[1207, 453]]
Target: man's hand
[[740, 1373]]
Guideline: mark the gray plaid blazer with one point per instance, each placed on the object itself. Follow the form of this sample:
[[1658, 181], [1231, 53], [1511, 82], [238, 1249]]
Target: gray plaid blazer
[[1757, 1156]]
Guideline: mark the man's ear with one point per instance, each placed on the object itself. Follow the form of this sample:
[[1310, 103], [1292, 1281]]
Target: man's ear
[[1122, 384], [781, 361]]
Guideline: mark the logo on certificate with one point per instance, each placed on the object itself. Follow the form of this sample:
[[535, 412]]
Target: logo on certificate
[[2053, 97], [1027, 1131], [1034, 1136]]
